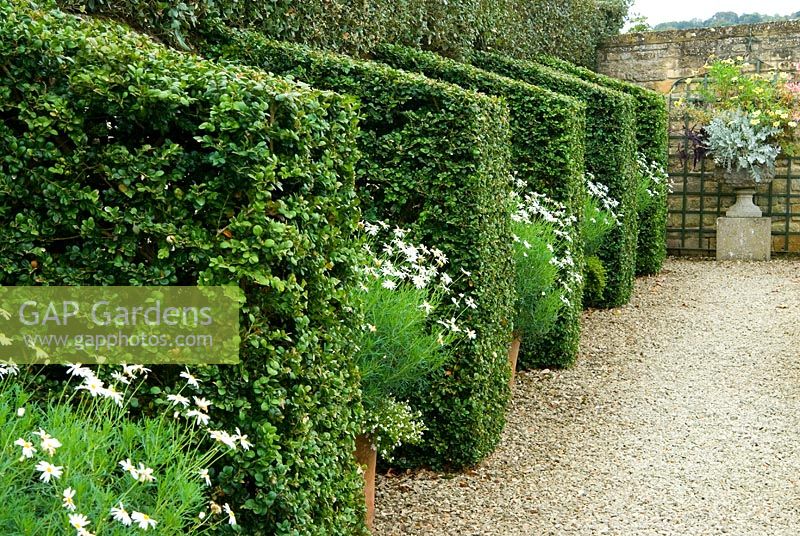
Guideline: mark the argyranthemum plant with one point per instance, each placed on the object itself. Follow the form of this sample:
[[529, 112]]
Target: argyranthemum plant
[[81, 464], [402, 340], [538, 225]]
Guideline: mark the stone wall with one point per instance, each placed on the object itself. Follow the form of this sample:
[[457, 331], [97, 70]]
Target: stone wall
[[657, 59]]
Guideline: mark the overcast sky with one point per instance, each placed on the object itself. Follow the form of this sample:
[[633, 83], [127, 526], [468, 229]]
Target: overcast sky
[[658, 11]]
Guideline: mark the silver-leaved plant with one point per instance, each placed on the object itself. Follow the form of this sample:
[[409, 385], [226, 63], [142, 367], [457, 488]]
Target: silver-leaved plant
[[737, 141]]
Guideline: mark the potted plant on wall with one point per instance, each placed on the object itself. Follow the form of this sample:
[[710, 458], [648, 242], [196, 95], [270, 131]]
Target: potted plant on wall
[[750, 118], [401, 342]]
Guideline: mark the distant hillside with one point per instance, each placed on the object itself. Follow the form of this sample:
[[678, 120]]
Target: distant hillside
[[724, 18]]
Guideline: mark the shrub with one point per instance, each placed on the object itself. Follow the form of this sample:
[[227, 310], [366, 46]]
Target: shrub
[[594, 281], [547, 156], [399, 346], [600, 217], [455, 28], [151, 466], [610, 157], [124, 163], [540, 295], [651, 137], [436, 162]]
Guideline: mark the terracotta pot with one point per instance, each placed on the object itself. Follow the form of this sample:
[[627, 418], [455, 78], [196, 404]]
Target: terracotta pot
[[513, 353], [367, 457]]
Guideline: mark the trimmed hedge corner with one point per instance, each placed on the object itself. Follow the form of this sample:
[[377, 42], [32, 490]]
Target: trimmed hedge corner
[[548, 132], [436, 161], [124, 163], [651, 137], [610, 157]]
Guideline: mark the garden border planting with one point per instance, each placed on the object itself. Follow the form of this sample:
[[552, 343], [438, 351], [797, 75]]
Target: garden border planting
[[651, 136]]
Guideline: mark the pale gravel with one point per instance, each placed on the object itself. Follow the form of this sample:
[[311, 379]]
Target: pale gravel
[[681, 417]]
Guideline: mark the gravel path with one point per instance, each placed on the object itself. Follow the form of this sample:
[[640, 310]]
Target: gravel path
[[681, 417]]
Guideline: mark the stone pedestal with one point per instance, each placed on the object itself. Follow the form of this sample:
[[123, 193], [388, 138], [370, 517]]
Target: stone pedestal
[[744, 239], [744, 206]]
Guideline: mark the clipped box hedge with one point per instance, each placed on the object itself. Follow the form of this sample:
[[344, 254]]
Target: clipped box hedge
[[548, 132], [610, 157], [652, 139], [124, 163], [435, 159]]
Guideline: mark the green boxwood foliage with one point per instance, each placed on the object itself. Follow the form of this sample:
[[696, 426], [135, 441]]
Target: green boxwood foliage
[[455, 27], [651, 137], [124, 163], [610, 157], [547, 154], [595, 281], [435, 161]]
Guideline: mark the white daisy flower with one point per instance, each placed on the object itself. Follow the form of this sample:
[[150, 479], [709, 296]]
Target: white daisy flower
[[8, 369], [67, 496], [201, 418], [133, 370], [202, 403], [389, 284], [191, 380], [179, 399], [205, 477], [92, 384], [49, 471], [28, 449], [128, 467], [78, 521], [76, 369], [143, 520], [224, 438], [113, 394], [144, 474], [121, 378], [243, 439], [121, 515], [231, 516], [50, 444]]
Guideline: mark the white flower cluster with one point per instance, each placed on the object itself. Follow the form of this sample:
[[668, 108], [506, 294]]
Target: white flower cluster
[[606, 203], [49, 471], [653, 173], [8, 369], [533, 206], [396, 262], [400, 261], [138, 472]]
